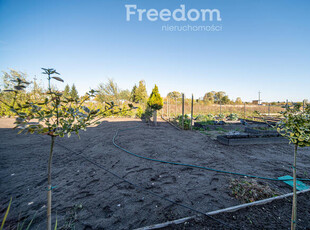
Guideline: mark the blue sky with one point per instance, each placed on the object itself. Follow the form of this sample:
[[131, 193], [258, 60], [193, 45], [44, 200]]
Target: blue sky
[[263, 45]]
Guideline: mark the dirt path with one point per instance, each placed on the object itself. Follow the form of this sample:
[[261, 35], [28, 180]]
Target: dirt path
[[110, 203]]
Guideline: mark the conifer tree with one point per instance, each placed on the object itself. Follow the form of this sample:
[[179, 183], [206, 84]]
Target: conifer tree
[[67, 91], [133, 96], [74, 93], [140, 93], [155, 102]]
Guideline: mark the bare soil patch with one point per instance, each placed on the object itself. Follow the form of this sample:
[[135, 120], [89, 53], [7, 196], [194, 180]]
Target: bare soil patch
[[109, 203]]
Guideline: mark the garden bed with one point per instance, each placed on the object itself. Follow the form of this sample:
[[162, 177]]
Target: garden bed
[[109, 203], [249, 139], [228, 125], [261, 131]]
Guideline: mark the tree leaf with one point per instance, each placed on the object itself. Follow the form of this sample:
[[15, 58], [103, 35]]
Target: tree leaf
[[58, 78]]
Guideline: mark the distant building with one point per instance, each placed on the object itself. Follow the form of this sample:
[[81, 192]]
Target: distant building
[[257, 102]]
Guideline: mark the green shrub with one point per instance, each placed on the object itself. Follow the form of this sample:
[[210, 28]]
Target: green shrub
[[187, 121], [221, 116], [140, 112], [233, 117]]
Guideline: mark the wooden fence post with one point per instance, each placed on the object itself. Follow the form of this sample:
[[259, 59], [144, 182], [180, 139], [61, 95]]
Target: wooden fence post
[[167, 109], [183, 110], [244, 112], [192, 112]]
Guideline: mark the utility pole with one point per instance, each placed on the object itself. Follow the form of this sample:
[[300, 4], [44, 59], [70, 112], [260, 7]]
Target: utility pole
[[259, 92]]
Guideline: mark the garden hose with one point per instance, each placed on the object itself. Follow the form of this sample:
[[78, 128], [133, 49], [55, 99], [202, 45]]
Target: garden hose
[[192, 166]]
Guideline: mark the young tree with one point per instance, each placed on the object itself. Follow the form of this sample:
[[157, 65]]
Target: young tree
[[74, 93], [175, 96], [155, 102], [66, 92], [124, 95], [141, 94], [57, 116], [296, 127]]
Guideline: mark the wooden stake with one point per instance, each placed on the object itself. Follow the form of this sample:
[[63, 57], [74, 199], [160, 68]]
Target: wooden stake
[[192, 112], [244, 116], [183, 110], [303, 105], [167, 108]]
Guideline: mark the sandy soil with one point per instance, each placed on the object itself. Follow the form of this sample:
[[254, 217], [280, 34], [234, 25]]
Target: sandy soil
[[109, 203]]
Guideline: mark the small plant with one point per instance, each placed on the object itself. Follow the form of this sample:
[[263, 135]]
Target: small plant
[[6, 214], [207, 123], [210, 116], [250, 190], [20, 226], [200, 118], [221, 129], [233, 117], [155, 102], [221, 116], [204, 118], [187, 121], [71, 217]]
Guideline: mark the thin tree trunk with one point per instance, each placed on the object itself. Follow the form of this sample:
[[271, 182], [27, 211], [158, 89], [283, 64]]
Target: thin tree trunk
[[294, 207], [49, 187], [176, 107], [155, 117]]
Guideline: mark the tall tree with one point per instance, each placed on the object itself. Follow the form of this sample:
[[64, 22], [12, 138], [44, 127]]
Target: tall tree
[[67, 91], [124, 95], [155, 102], [141, 94], [108, 92], [216, 97], [133, 96], [8, 78], [175, 96], [238, 101], [209, 97], [74, 93]]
